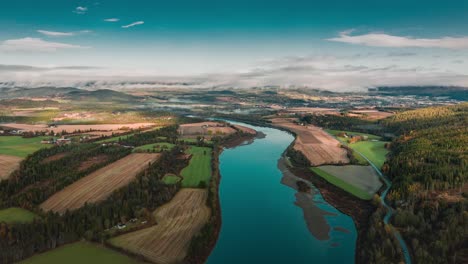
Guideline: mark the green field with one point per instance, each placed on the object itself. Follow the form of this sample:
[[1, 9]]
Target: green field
[[375, 151], [199, 168], [342, 184], [155, 146], [21, 147], [194, 140], [78, 253], [171, 179], [16, 215]]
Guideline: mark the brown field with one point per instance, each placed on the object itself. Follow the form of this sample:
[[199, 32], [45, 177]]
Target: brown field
[[73, 128], [314, 110], [178, 221], [317, 145], [245, 129], [100, 184], [205, 128], [92, 161], [8, 164], [371, 114]]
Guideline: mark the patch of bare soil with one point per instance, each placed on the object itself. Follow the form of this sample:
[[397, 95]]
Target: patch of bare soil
[[54, 157], [92, 161]]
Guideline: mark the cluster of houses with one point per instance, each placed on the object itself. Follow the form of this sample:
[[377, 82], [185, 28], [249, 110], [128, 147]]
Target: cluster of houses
[[58, 141]]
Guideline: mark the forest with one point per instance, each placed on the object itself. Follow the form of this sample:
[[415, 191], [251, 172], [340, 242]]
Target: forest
[[428, 168]]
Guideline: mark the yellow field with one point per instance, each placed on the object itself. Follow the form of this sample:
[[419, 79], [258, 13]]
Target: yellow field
[[100, 184], [178, 221]]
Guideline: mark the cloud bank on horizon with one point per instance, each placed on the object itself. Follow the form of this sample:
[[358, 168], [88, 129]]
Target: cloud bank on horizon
[[235, 43]]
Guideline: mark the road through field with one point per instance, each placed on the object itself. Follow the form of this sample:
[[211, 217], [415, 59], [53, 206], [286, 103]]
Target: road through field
[[100, 184]]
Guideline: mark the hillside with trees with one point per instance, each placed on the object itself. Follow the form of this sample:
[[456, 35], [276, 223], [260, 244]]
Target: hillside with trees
[[428, 167]]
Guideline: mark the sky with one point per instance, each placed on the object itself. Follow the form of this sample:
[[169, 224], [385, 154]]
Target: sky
[[334, 44]]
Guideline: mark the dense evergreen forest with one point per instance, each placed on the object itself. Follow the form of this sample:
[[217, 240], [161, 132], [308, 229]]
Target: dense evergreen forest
[[428, 167]]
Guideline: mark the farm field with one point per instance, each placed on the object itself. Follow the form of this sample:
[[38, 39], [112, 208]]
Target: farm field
[[21, 147], [318, 146], [370, 114], [100, 184], [157, 147], [16, 215], [72, 128], [342, 184], [336, 132], [78, 253], [178, 221], [362, 177], [374, 150], [8, 164], [199, 168], [205, 128], [171, 179], [245, 129]]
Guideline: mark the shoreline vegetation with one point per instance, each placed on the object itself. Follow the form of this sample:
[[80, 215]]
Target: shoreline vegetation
[[204, 242]]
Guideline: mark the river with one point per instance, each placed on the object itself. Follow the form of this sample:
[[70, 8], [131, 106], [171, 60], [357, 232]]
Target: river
[[263, 216]]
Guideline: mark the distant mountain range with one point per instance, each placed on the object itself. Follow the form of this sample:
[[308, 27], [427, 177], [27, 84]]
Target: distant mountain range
[[102, 95], [454, 92]]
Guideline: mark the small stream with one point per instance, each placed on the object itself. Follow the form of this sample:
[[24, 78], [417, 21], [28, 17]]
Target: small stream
[[390, 210]]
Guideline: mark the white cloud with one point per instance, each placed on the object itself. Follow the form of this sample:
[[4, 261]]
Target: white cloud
[[112, 19], [134, 24], [62, 34], [80, 10], [385, 40], [55, 33], [35, 45]]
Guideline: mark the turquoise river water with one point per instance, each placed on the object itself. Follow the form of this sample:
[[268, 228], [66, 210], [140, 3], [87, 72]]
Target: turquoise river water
[[263, 216]]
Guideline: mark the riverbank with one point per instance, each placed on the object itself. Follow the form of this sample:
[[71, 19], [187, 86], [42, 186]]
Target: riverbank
[[359, 210], [263, 217], [203, 243]]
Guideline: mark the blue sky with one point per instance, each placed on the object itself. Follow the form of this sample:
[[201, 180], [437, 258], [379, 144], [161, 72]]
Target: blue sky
[[326, 44]]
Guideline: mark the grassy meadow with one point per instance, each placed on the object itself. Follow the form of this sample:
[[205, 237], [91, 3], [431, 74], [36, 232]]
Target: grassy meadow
[[373, 148], [78, 253], [16, 215], [375, 151], [171, 179], [199, 168], [157, 147], [21, 147]]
